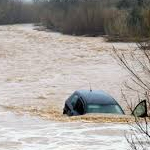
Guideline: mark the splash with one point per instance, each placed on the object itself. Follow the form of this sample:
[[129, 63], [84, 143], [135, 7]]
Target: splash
[[54, 114]]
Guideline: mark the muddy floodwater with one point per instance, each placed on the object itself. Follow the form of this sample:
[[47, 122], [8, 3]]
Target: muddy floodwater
[[38, 71]]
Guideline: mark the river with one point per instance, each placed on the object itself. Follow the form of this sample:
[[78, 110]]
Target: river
[[38, 71]]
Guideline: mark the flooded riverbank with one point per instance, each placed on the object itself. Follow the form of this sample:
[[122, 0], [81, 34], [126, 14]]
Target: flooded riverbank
[[39, 70], [42, 69]]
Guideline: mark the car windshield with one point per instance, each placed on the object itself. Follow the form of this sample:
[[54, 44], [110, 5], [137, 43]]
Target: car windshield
[[96, 108]]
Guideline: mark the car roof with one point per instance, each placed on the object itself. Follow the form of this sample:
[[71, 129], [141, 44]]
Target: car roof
[[96, 97]]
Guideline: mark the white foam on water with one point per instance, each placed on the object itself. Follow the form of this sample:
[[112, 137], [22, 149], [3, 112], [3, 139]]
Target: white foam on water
[[28, 132]]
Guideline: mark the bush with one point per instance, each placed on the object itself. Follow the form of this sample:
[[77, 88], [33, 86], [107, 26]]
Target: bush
[[116, 23], [74, 17], [116, 18], [119, 19]]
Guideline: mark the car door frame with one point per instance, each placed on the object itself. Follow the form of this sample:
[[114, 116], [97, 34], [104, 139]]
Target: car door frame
[[83, 105], [72, 112]]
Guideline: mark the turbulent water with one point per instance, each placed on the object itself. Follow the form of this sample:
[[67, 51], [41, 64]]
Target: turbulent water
[[23, 132], [38, 71]]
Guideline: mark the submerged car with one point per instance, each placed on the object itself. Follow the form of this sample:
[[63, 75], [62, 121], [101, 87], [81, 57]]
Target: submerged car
[[97, 101]]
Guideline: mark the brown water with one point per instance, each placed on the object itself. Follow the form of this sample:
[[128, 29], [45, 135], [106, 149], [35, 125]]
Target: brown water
[[25, 132], [38, 71]]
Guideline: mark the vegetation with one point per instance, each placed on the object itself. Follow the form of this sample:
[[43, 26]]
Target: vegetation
[[137, 62], [115, 18], [15, 11], [119, 19]]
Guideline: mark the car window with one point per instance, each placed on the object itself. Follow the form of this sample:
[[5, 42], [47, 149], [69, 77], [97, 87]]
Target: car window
[[74, 100], [140, 110], [79, 107], [94, 108]]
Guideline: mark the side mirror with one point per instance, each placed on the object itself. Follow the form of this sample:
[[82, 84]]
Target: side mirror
[[140, 110], [70, 113]]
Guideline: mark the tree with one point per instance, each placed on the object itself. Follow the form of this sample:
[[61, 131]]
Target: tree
[[137, 62]]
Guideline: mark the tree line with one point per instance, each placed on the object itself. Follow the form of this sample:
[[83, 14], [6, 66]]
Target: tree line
[[16, 11], [116, 18]]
